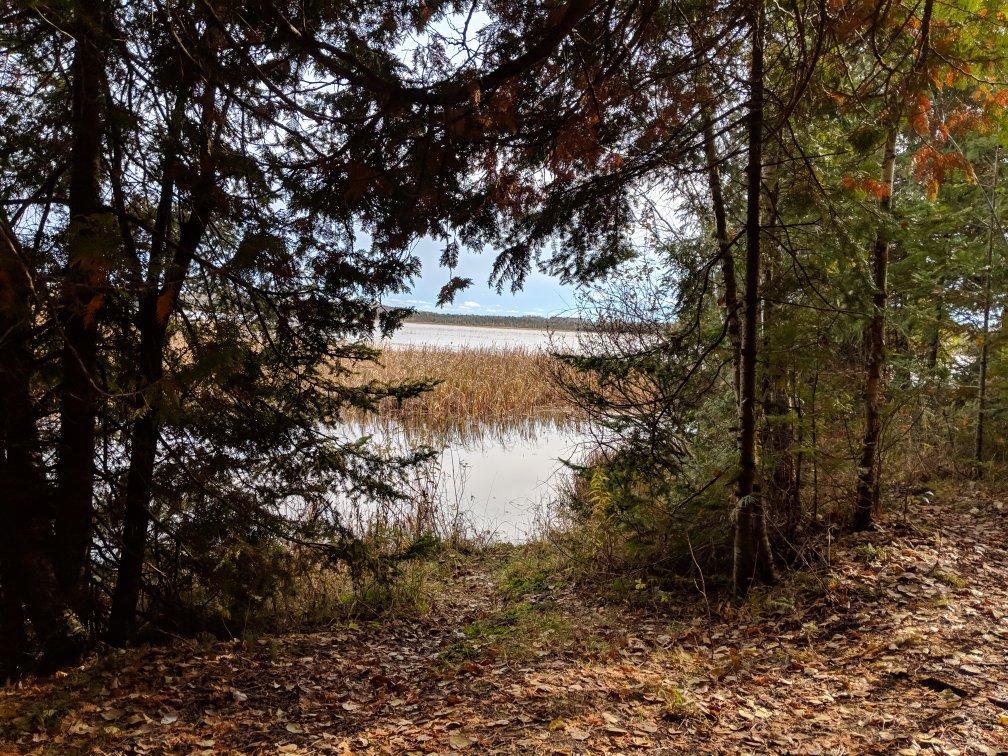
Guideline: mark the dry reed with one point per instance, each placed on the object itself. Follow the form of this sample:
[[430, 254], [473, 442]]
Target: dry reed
[[480, 389]]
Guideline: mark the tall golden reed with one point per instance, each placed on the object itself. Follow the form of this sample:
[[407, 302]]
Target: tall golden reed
[[479, 389]]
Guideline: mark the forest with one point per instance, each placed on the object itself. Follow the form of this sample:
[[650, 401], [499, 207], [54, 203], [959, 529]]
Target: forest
[[228, 520]]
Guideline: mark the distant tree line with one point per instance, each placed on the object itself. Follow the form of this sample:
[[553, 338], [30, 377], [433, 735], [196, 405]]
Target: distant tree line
[[535, 322]]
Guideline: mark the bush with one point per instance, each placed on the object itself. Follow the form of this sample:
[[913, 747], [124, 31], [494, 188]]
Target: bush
[[625, 518]]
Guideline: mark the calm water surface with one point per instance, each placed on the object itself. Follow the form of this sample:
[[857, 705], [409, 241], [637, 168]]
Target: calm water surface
[[506, 487], [476, 337]]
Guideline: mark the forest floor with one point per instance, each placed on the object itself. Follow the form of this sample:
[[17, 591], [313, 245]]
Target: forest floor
[[900, 645]]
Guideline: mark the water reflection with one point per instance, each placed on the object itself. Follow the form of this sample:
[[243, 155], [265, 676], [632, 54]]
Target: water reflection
[[500, 485], [498, 470]]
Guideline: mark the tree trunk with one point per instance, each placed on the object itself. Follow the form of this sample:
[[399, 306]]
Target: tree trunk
[[794, 511], [136, 518], [20, 479], [724, 251], [978, 448], [90, 248], [753, 560], [156, 308], [27, 578], [868, 474], [777, 431]]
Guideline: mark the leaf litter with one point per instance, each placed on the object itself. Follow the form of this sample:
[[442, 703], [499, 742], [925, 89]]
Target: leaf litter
[[899, 646]]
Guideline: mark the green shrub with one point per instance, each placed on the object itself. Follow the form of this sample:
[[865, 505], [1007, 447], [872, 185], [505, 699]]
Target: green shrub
[[643, 529]]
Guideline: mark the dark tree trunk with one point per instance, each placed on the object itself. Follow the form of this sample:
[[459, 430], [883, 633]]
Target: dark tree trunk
[[90, 248], [27, 578], [143, 438], [156, 308], [724, 251], [136, 518], [20, 479], [868, 474], [753, 560]]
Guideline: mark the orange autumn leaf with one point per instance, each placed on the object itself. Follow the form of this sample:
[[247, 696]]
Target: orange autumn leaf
[[872, 187], [918, 117], [91, 309], [932, 168]]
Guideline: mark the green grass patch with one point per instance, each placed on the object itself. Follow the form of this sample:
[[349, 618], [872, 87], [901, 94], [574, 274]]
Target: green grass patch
[[529, 571], [522, 631], [951, 579]]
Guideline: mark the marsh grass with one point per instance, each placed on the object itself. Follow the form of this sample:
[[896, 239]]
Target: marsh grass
[[480, 393], [478, 390], [330, 595]]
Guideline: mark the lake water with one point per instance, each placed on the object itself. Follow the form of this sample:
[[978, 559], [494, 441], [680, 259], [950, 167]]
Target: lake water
[[475, 337], [497, 488], [506, 488]]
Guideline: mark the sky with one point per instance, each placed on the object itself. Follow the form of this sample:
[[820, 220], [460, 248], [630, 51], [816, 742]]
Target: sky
[[541, 295]]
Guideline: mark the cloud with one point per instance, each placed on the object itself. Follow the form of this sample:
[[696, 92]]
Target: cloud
[[470, 304]]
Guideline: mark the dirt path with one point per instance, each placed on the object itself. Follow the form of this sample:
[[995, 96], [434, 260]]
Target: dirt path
[[899, 647]]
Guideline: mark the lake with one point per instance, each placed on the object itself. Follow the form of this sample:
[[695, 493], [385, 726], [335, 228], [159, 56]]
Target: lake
[[469, 337], [503, 489]]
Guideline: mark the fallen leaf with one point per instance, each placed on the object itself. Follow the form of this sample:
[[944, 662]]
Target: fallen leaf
[[459, 741]]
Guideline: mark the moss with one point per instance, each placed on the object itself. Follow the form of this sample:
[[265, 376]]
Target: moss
[[950, 579], [865, 553]]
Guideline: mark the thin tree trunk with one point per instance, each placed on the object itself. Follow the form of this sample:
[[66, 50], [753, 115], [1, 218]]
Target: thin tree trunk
[[156, 308], [777, 431], [143, 439], [89, 248], [978, 449], [724, 250], [814, 412], [20, 479], [753, 560], [136, 518], [868, 475], [794, 493]]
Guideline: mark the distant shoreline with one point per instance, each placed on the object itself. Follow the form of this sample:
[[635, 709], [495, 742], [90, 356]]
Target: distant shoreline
[[523, 322]]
